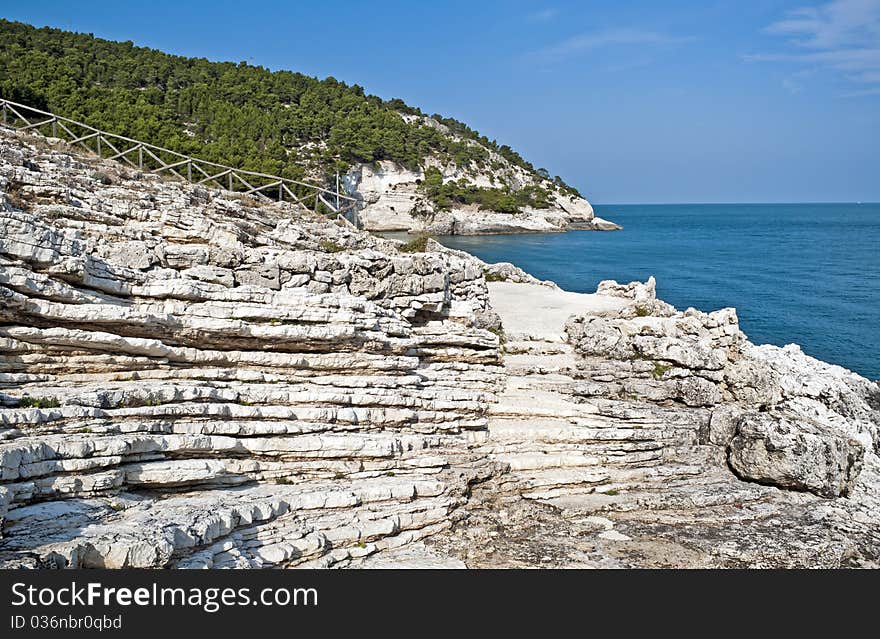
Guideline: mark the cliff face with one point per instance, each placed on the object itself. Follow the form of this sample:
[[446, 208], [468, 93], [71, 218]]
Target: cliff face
[[193, 379], [190, 380], [392, 198]]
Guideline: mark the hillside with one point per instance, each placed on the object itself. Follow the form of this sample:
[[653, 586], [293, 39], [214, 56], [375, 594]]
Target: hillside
[[411, 170]]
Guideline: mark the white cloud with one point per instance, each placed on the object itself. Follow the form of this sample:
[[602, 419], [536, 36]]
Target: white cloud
[[791, 86], [601, 39], [838, 24], [794, 83], [842, 36], [544, 15]]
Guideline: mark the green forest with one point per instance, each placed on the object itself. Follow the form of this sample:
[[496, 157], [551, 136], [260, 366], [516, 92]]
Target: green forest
[[235, 113]]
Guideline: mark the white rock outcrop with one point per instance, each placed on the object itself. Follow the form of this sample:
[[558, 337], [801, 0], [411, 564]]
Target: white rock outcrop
[[190, 378], [800, 423], [391, 199], [640, 436]]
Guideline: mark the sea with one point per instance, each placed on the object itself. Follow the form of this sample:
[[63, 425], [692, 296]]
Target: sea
[[802, 273]]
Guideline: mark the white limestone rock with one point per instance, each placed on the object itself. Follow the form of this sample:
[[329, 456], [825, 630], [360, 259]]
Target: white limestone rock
[[308, 386], [190, 379], [795, 454], [392, 201]]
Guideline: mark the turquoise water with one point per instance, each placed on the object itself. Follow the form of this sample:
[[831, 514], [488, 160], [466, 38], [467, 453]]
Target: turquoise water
[[803, 273]]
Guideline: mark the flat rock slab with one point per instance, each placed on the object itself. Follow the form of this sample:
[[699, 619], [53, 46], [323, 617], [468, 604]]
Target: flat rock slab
[[413, 556], [541, 311]]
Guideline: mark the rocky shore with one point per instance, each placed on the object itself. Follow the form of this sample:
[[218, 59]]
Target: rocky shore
[[635, 435], [190, 378]]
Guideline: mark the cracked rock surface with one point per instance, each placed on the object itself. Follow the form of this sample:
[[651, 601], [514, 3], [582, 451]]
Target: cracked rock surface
[[640, 436], [191, 378]]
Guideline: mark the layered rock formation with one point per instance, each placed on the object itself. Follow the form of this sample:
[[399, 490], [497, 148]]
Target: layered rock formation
[[640, 436], [194, 380], [785, 419]]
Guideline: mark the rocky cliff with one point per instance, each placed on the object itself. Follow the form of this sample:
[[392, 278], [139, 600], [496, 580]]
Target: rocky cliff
[[392, 198], [189, 378], [194, 380]]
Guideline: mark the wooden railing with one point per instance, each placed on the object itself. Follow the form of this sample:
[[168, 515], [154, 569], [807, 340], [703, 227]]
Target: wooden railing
[[155, 159]]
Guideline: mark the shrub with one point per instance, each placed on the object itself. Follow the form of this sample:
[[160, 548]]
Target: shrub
[[38, 402], [499, 331], [492, 276], [329, 246], [13, 195], [660, 370], [418, 244], [102, 177]]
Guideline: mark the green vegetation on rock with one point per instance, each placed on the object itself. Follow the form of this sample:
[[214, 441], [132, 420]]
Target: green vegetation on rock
[[38, 402], [418, 244], [493, 276], [329, 246], [445, 195], [660, 370]]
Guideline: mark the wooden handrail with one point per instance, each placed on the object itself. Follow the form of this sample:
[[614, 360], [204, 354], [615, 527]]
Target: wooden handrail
[[283, 189]]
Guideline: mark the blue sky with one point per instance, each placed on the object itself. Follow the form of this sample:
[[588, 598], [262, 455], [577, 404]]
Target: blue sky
[[631, 101]]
